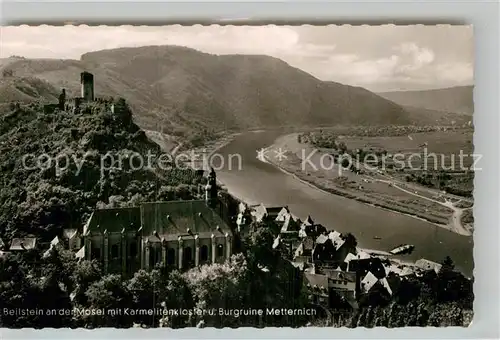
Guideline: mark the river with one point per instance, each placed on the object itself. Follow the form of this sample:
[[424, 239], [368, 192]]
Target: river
[[258, 182]]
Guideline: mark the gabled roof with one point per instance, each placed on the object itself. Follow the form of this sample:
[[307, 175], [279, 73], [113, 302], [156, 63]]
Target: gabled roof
[[428, 265], [276, 242], [333, 235], [386, 285], [290, 224], [69, 233], [342, 275], [316, 280], [23, 243], [283, 213], [55, 241], [81, 253], [242, 207], [259, 213], [363, 255], [114, 220], [368, 282], [350, 257], [321, 239], [172, 219]]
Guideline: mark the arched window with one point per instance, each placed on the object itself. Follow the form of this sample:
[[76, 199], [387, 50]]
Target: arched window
[[114, 251], [187, 257], [170, 256], [204, 253], [157, 255], [133, 249], [220, 250], [95, 253]]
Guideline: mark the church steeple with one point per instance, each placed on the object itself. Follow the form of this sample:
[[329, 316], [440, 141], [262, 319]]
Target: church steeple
[[211, 189]]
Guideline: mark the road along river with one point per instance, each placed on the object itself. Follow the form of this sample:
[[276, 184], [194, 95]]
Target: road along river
[[259, 182]]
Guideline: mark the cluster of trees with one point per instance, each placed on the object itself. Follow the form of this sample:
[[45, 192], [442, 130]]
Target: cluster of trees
[[323, 139], [40, 196], [462, 185]]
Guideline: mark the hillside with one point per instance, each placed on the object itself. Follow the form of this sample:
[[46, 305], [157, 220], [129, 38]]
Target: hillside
[[179, 90], [38, 195], [457, 99]]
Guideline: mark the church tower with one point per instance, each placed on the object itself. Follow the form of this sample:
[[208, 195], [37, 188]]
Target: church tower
[[211, 189]]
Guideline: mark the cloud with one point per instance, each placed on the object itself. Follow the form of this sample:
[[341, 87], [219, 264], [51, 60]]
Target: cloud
[[372, 57]]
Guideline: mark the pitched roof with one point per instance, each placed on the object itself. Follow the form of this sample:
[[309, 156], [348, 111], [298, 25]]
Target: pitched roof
[[181, 218], [259, 213], [350, 257], [338, 242], [386, 285], [342, 275], [308, 243], [428, 265], [242, 207], [363, 255], [69, 233], [290, 224], [321, 239], [316, 280], [368, 282], [114, 220], [81, 253], [276, 242], [23, 243], [283, 213], [55, 241], [333, 235]]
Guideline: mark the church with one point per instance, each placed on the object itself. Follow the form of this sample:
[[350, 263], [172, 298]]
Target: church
[[173, 234]]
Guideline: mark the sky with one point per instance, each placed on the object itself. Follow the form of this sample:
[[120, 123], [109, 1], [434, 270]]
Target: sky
[[379, 58]]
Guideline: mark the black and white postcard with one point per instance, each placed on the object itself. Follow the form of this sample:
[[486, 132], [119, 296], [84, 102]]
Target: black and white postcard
[[236, 176]]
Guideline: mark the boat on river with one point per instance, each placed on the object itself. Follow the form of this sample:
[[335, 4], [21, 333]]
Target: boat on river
[[403, 249]]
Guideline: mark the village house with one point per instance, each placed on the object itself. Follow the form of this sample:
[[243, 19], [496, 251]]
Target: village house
[[261, 213], [23, 244], [428, 265], [335, 289]]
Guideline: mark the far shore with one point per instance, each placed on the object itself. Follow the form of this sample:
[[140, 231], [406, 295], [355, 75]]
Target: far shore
[[291, 168]]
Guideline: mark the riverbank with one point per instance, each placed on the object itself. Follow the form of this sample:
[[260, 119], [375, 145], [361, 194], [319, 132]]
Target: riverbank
[[307, 165]]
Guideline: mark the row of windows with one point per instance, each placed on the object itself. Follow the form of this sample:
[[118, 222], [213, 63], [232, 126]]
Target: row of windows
[[340, 282], [115, 253]]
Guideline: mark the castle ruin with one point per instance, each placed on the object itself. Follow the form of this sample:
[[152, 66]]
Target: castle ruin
[[87, 86], [86, 97]]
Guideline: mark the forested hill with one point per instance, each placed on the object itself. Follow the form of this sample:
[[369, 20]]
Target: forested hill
[[458, 99], [41, 196], [182, 91]]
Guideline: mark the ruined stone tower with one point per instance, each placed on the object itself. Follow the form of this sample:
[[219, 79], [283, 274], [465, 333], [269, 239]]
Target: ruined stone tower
[[87, 83]]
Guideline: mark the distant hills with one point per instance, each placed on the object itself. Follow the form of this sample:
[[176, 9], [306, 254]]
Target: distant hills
[[457, 99], [184, 92]]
